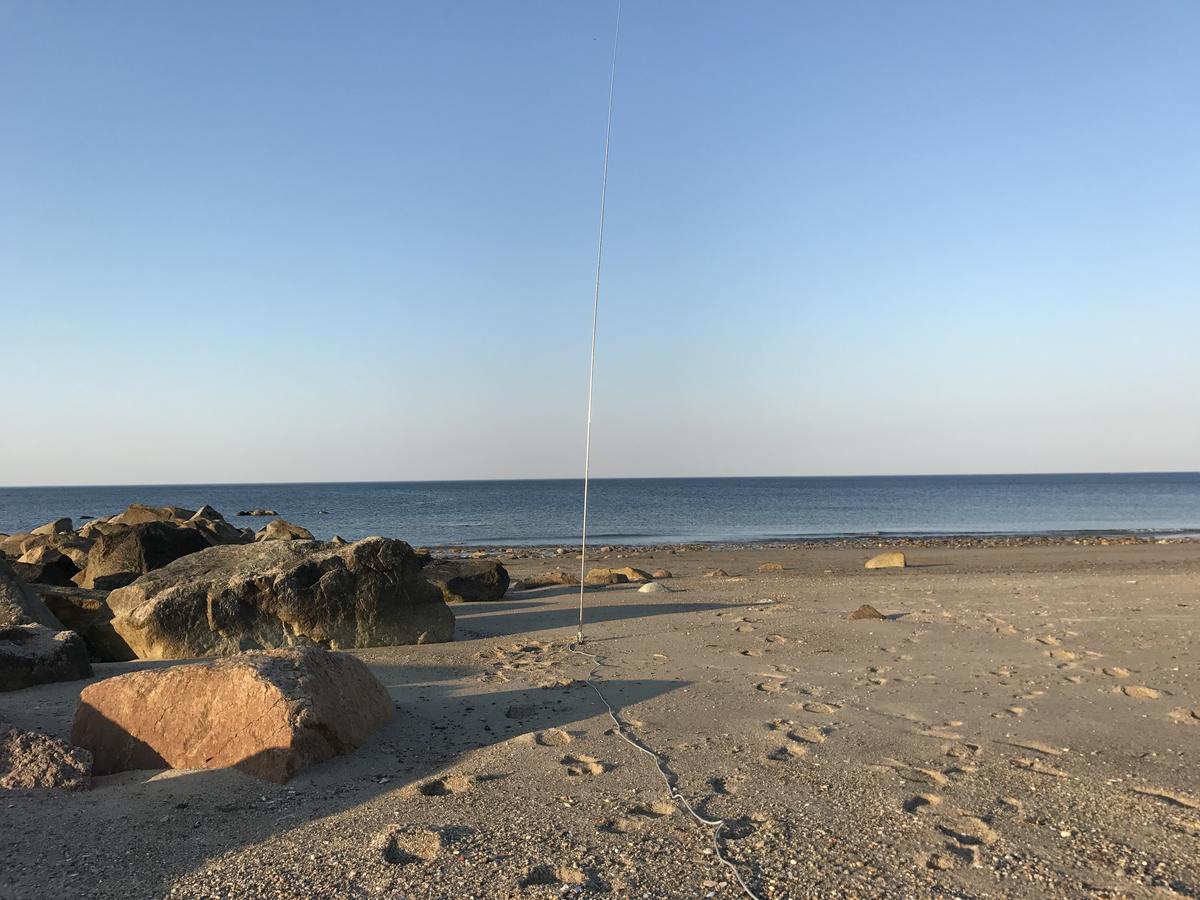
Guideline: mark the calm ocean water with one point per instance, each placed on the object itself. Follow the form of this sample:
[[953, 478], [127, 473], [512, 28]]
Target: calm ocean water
[[661, 510]]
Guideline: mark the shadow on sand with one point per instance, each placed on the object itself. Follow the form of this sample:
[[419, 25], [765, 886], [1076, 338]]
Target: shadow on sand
[[145, 829]]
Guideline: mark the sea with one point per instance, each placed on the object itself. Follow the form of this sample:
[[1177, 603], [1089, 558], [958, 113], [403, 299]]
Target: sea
[[667, 510]]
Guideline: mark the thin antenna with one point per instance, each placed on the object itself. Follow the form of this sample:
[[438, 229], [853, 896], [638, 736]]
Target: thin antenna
[[587, 449]]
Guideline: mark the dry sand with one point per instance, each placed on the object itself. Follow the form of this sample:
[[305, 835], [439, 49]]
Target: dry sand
[[1025, 722]]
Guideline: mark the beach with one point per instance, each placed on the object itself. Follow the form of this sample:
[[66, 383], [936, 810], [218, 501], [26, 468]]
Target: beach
[[1024, 722]]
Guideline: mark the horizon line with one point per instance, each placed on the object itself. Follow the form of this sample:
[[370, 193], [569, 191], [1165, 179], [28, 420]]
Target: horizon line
[[579, 478]]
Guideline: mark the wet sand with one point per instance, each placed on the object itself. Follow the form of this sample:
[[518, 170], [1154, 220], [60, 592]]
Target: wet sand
[[1025, 722]]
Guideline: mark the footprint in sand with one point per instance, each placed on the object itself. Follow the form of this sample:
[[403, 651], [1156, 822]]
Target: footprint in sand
[[964, 750], [553, 737], [969, 831], [776, 639], [581, 764], [1139, 692], [919, 802], [1173, 797], [400, 845], [818, 708], [787, 752], [915, 773], [770, 687], [1184, 716], [1037, 747], [1116, 672], [1041, 768], [751, 653], [447, 786], [810, 734]]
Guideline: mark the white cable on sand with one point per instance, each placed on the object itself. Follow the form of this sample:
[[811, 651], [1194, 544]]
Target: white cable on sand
[[715, 824]]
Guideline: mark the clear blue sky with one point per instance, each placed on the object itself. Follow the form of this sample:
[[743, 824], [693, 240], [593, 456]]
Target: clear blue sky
[[311, 241]]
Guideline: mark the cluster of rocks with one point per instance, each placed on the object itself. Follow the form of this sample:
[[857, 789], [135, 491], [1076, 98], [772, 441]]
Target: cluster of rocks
[[172, 583], [167, 583]]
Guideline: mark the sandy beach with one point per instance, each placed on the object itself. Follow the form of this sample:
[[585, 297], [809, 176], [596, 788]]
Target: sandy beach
[[1024, 722]]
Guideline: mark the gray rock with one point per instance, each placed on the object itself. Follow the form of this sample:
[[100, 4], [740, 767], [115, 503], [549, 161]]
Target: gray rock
[[279, 530], [279, 594], [20, 604], [467, 579], [87, 614], [121, 555], [140, 513], [33, 654], [58, 526]]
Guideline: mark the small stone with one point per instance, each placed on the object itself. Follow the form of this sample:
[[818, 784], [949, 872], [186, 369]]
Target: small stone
[[866, 611]]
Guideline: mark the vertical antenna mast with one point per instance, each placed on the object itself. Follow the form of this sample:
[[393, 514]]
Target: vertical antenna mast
[[587, 449]]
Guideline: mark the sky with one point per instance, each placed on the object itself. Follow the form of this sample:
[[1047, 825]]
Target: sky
[[303, 241]]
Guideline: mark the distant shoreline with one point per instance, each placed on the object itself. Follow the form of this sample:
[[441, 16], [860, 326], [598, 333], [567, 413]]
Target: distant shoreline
[[848, 542]]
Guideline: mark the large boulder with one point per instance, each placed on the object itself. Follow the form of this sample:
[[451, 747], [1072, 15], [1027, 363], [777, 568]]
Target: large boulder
[[58, 526], [29, 759], [617, 576], [87, 614], [213, 527], [279, 594], [280, 530], [893, 560], [20, 604], [546, 579], [46, 564], [140, 513], [271, 715], [121, 555], [13, 545], [33, 654], [467, 579]]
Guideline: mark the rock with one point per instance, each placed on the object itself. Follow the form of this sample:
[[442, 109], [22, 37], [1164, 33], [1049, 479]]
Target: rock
[[865, 611], [716, 573], [58, 526], [20, 604], [87, 614], [893, 560], [653, 587], [46, 564], [467, 579], [338, 541], [659, 574], [140, 514], [207, 512], [271, 715], [94, 528], [29, 759], [279, 530], [546, 579], [282, 593], [770, 567], [605, 576], [12, 546], [33, 654], [121, 555], [258, 512], [616, 576]]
